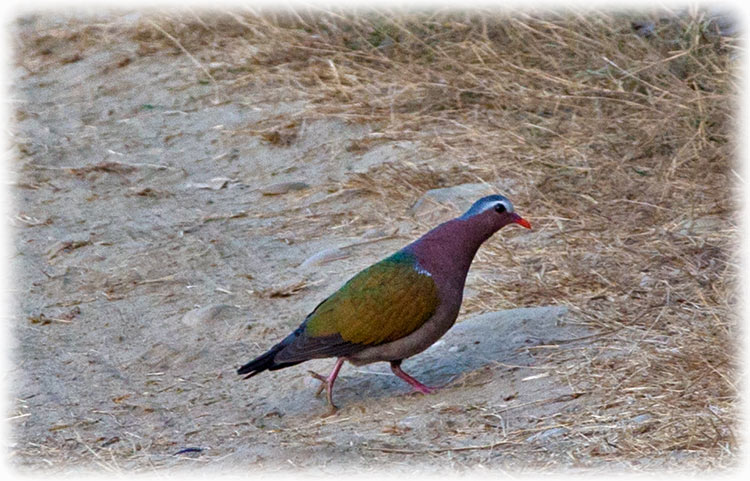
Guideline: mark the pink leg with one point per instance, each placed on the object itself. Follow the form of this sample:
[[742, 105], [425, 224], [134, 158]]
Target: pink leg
[[396, 368], [328, 382]]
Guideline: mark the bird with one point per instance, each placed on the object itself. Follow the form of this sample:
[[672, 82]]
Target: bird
[[397, 307]]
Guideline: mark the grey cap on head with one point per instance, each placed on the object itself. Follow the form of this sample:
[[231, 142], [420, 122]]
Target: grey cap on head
[[489, 202]]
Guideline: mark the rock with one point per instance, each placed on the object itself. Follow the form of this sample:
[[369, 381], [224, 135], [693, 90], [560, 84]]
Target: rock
[[443, 204], [460, 196], [203, 315], [390, 152], [219, 182], [640, 419], [283, 188], [499, 333], [216, 183], [324, 256]]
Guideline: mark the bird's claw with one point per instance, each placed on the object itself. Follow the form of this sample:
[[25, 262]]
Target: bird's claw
[[323, 382], [324, 385], [425, 389]]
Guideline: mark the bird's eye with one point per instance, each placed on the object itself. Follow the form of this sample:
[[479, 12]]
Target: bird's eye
[[500, 208]]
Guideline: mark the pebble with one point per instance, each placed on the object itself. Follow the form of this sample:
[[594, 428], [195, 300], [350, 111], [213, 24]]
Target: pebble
[[283, 188], [641, 418], [436, 203], [203, 314], [216, 183]]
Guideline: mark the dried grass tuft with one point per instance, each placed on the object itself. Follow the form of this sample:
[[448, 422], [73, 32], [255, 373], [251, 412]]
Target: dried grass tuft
[[621, 146]]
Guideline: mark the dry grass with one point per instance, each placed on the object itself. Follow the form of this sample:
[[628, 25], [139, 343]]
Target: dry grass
[[618, 142]]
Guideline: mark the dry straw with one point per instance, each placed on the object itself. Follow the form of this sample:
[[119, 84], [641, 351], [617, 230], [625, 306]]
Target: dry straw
[[620, 145], [622, 148]]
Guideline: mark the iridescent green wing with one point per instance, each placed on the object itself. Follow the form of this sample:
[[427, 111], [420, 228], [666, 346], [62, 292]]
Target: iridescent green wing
[[383, 303]]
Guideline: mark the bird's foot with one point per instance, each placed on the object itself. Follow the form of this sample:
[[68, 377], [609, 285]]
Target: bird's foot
[[327, 383], [418, 386], [323, 382]]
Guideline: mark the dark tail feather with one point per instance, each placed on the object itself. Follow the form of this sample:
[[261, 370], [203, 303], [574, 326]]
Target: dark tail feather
[[265, 362]]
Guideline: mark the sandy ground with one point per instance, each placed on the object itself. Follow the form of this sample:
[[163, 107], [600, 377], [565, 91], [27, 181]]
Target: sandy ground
[[150, 264]]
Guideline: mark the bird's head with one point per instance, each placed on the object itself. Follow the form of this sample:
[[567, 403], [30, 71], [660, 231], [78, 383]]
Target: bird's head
[[495, 210]]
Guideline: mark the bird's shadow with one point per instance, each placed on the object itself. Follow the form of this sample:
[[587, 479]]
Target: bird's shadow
[[469, 346]]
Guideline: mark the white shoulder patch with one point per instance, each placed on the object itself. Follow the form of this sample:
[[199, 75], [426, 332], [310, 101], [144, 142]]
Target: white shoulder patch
[[421, 270]]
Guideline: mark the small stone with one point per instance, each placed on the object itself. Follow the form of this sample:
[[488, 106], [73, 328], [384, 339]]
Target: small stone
[[219, 183], [324, 256], [283, 188], [461, 196], [204, 314], [641, 418], [442, 204], [214, 184], [377, 155]]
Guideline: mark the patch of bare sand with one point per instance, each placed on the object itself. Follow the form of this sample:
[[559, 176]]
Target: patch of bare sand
[[150, 263]]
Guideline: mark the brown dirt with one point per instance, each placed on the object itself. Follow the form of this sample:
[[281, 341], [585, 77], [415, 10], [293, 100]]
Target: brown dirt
[[161, 224]]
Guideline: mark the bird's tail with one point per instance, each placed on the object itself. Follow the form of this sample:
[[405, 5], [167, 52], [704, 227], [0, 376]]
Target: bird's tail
[[265, 362]]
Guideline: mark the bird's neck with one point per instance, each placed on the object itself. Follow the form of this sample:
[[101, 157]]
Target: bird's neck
[[448, 250]]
